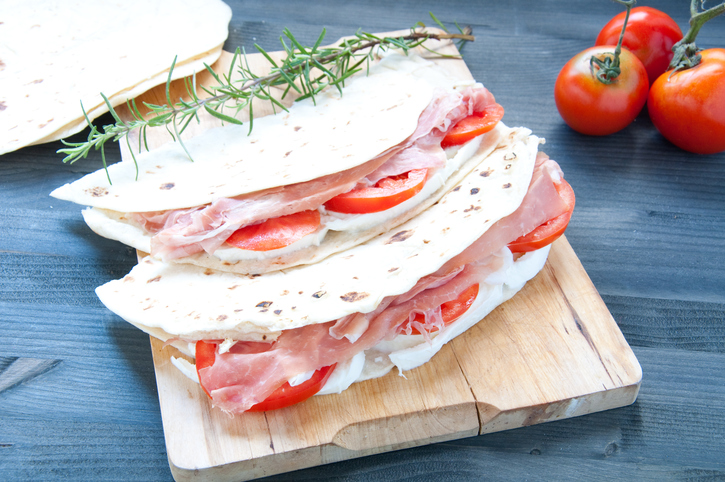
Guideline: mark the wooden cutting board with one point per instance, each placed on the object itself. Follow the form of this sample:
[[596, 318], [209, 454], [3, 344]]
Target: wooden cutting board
[[552, 352]]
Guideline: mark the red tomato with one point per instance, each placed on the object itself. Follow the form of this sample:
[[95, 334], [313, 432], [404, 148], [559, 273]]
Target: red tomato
[[550, 231], [688, 107], [591, 107], [287, 395], [205, 354], [284, 396], [473, 126], [385, 194], [276, 233], [452, 310], [650, 35]]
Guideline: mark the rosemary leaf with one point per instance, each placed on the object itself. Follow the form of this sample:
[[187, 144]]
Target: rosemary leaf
[[306, 70]]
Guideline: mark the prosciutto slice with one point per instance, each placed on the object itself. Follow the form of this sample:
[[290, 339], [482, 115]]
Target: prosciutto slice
[[426, 151], [236, 381], [180, 233]]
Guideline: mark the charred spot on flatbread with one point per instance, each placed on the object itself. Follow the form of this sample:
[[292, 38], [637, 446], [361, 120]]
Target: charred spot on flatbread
[[318, 294], [474, 190], [264, 304], [400, 236], [510, 157], [354, 296], [457, 188], [155, 279], [2, 106], [166, 186], [507, 185], [97, 191], [221, 317], [486, 173]]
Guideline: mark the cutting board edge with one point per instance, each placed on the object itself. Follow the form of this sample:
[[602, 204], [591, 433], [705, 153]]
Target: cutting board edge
[[297, 460], [495, 420]]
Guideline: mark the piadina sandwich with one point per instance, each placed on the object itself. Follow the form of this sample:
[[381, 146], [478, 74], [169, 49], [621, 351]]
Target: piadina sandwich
[[319, 179], [266, 341], [425, 213]]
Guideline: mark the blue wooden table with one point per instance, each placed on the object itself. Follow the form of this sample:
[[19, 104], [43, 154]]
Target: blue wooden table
[[78, 397]]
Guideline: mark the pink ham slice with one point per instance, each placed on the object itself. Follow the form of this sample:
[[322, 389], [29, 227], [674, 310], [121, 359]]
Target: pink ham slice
[[237, 381], [180, 233]]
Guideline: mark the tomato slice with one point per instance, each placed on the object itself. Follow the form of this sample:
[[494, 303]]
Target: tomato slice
[[284, 396], [550, 231], [385, 194], [473, 126], [452, 310], [287, 395], [205, 355], [276, 233]]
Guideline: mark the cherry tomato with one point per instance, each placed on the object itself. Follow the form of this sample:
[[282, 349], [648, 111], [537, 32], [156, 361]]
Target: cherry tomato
[[688, 107], [550, 231], [473, 126], [591, 107], [276, 233], [284, 396], [385, 194], [650, 35], [452, 310]]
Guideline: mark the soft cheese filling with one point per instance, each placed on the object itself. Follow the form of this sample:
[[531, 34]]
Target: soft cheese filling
[[455, 159]]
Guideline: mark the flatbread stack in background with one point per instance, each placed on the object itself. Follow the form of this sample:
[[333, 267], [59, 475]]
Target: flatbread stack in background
[[55, 55]]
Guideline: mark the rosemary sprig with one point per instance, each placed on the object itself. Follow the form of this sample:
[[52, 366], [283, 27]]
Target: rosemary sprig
[[306, 70]]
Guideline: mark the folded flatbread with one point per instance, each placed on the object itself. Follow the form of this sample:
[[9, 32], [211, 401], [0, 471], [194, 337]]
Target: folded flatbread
[[356, 308], [55, 54], [386, 123]]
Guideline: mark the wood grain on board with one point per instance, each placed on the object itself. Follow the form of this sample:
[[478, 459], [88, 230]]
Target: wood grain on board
[[551, 352]]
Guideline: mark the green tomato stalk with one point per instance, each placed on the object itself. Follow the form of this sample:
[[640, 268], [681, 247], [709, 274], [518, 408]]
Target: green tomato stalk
[[687, 54], [608, 68]]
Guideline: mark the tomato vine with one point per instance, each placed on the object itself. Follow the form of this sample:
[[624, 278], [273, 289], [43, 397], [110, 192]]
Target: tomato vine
[[608, 68], [687, 54]]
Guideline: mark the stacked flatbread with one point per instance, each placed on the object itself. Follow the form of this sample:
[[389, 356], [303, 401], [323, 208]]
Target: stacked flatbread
[[55, 55], [363, 306]]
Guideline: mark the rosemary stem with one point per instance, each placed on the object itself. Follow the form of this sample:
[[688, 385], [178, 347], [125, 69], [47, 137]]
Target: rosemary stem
[[303, 70]]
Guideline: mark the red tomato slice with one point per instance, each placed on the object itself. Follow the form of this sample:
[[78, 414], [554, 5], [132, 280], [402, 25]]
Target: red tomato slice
[[452, 310], [276, 233], [548, 232], [284, 396], [205, 355], [473, 126], [385, 194], [287, 395]]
